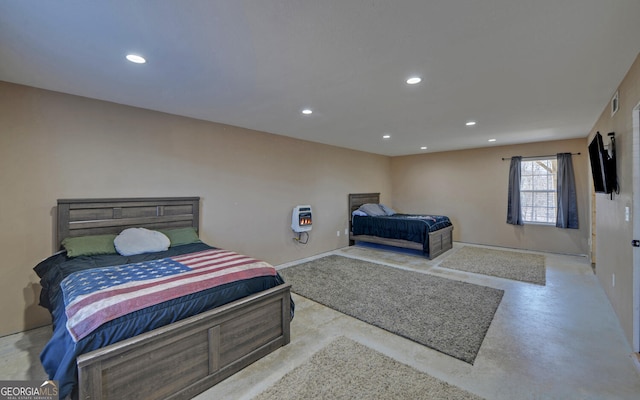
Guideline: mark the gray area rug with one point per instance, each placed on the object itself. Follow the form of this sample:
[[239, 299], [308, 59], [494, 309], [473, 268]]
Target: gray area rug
[[513, 265], [345, 369], [446, 315]]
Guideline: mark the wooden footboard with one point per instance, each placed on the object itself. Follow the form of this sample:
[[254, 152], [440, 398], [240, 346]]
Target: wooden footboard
[[186, 358], [440, 241]]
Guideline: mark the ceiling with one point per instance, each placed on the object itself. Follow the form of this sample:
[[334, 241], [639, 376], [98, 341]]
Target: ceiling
[[525, 70]]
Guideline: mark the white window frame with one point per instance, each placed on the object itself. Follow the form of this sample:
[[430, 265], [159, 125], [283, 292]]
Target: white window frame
[[546, 180]]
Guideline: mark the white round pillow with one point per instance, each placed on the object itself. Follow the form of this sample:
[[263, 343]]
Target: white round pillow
[[133, 241]]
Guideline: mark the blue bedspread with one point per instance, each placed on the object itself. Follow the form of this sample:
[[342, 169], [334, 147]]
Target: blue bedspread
[[59, 355], [410, 227]]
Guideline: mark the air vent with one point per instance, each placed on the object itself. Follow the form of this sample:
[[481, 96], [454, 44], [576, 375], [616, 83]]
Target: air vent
[[614, 104]]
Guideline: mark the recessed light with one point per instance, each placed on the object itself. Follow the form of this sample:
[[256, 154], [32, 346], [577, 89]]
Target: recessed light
[[387, 136], [307, 111], [492, 140], [134, 58], [413, 80], [423, 148], [470, 123]]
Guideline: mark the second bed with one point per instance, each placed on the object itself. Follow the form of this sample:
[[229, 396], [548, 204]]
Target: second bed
[[431, 234]]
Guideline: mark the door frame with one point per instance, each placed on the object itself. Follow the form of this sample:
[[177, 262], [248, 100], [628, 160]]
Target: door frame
[[636, 227]]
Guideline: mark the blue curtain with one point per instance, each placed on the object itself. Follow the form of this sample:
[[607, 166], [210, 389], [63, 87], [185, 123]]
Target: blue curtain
[[514, 213], [567, 216]]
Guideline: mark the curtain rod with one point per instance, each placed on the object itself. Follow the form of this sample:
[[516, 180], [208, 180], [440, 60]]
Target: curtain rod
[[549, 156]]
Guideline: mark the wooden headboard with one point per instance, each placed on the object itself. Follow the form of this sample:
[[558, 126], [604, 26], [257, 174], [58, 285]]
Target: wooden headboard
[[358, 199], [80, 217]]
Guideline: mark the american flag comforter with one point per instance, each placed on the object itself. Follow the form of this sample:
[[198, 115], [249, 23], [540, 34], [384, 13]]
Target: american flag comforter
[[96, 296], [150, 277]]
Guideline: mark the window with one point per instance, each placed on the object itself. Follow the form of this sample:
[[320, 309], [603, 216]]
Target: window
[[538, 190]]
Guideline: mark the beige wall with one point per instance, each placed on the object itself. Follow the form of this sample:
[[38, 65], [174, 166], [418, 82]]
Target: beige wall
[[54, 145], [613, 233], [470, 186]]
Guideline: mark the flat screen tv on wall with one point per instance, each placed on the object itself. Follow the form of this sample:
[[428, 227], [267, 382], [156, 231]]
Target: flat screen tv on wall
[[603, 166]]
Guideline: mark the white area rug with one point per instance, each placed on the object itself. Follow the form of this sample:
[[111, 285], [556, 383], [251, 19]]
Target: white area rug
[[345, 369], [513, 265]]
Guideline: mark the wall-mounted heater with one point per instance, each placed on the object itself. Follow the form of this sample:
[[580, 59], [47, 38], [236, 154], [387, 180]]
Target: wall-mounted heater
[[301, 219]]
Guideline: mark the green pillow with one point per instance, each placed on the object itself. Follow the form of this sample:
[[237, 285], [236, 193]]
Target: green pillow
[[89, 245], [180, 236]]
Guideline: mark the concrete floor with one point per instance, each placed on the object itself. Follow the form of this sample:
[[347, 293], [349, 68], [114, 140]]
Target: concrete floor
[[559, 341]]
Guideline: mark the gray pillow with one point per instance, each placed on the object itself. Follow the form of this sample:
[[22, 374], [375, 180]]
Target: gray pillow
[[372, 210], [387, 210]]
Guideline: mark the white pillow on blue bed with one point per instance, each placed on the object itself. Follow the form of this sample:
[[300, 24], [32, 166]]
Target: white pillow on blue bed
[[133, 241]]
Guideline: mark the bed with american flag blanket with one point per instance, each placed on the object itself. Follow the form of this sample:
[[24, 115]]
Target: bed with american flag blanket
[[96, 301]]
